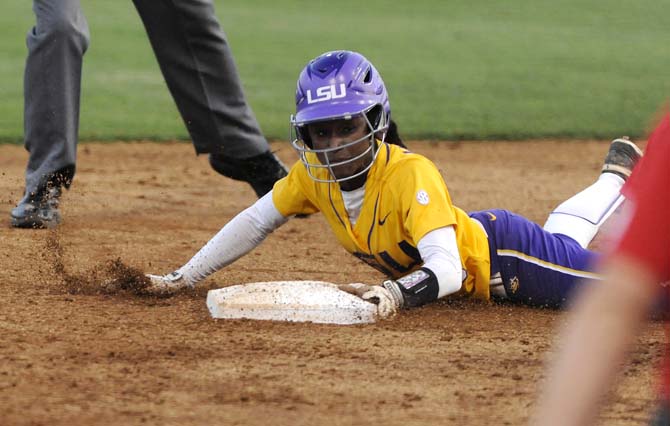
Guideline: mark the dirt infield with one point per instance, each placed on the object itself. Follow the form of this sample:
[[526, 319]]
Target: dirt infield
[[73, 352]]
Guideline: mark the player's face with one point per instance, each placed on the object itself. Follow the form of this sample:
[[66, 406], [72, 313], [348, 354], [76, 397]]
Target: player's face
[[334, 134]]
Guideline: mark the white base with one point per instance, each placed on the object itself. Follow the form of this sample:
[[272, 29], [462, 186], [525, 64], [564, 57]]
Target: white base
[[296, 301]]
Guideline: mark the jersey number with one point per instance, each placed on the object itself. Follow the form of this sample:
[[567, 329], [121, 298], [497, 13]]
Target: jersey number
[[388, 265]]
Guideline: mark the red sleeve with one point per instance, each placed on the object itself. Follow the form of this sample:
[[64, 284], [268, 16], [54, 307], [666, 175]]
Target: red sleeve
[[647, 236]]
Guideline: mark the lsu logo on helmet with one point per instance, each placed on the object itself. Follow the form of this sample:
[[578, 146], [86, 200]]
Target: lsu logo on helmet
[[326, 93]]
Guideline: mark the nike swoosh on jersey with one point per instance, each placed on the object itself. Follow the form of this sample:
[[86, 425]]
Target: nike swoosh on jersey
[[493, 217], [383, 221]]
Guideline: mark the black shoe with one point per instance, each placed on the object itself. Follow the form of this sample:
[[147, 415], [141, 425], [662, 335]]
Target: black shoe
[[622, 157], [261, 171], [38, 209]]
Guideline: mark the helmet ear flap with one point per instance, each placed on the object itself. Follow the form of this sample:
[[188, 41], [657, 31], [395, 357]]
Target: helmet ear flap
[[375, 116], [378, 121]]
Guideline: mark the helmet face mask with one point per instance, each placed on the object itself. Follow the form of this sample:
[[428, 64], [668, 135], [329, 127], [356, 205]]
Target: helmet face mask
[[347, 159], [333, 88]]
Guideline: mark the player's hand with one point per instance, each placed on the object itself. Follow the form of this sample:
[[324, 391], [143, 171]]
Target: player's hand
[[387, 305], [166, 284]]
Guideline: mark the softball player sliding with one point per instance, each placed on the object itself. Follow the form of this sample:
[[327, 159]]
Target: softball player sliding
[[391, 208]]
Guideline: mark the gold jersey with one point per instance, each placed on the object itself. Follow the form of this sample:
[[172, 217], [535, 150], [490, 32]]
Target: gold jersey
[[405, 198]]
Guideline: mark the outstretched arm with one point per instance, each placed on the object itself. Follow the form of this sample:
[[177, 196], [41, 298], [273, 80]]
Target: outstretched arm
[[237, 238], [602, 326]]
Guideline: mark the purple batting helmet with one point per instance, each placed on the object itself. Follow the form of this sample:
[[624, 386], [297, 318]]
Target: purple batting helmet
[[339, 85]]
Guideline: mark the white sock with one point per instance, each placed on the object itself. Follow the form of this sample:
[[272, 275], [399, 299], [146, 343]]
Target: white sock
[[581, 216]]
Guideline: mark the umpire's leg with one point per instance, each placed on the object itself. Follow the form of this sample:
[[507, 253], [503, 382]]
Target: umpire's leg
[[56, 46], [200, 72]]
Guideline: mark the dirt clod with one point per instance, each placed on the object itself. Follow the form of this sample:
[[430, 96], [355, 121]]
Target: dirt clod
[[109, 277]]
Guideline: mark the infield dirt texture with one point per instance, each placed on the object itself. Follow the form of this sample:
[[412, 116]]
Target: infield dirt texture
[[72, 352]]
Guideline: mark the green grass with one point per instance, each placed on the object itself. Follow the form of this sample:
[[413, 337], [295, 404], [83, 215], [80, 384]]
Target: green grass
[[454, 68]]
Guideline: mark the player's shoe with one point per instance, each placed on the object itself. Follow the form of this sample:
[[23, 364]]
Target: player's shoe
[[622, 157], [38, 209], [260, 171]]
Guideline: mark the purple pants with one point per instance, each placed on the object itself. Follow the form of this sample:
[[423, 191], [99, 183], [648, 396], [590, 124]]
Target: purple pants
[[537, 268]]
